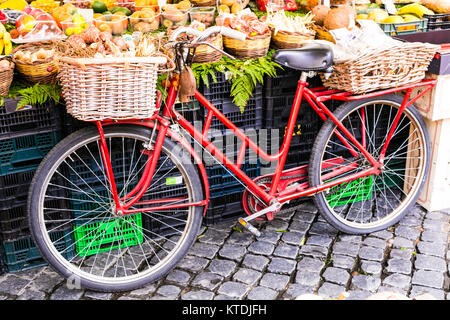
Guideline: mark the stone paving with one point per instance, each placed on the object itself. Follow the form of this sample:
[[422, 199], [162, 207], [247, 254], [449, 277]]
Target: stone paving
[[297, 253]]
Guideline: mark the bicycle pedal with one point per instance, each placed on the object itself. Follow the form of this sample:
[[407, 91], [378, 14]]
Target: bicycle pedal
[[249, 227]]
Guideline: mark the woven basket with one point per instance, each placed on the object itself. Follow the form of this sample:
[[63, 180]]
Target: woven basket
[[6, 77], [111, 88], [204, 3], [205, 53], [290, 40], [42, 71], [391, 67], [253, 47]]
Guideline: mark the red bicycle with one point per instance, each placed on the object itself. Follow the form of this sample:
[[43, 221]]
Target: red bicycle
[[119, 205]]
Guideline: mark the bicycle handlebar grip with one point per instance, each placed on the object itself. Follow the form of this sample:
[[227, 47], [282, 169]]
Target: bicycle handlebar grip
[[230, 33]]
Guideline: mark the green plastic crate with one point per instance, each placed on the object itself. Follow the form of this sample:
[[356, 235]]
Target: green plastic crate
[[97, 237], [350, 192]]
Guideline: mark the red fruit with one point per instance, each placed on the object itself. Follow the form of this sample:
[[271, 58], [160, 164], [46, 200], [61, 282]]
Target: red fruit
[[44, 17], [28, 9], [36, 12]]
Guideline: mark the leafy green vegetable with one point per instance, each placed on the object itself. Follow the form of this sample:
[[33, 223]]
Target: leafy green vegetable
[[31, 95], [244, 75]]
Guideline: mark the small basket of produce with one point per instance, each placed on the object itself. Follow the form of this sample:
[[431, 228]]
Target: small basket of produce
[[36, 62], [290, 32], [203, 3], [373, 61], [258, 35], [6, 75], [103, 78]]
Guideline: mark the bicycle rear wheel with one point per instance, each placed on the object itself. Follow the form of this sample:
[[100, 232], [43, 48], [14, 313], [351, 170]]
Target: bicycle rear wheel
[[72, 214], [373, 202]]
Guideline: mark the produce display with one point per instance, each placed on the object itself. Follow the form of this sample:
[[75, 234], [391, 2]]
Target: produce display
[[101, 28]]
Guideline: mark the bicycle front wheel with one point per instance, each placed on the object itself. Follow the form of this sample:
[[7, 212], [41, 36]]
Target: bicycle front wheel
[[73, 219], [373, 202]]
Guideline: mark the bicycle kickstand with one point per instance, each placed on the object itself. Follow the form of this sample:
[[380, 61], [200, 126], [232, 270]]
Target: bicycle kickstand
[[274, 207]]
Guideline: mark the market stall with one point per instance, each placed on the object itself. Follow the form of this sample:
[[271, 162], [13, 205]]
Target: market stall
[[44, 43]]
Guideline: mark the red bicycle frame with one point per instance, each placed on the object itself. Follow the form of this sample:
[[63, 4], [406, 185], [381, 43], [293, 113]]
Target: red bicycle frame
[[315, 97]]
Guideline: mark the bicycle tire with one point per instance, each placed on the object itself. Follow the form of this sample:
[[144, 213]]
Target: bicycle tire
[[49, 250], [381, 201]]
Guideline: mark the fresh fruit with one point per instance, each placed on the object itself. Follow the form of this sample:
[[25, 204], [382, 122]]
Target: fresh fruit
[[362, 16], [377, 15], [99, 6], [235, 8], [227, 3], [14, 4], [414, 8], [393, 19], [184, 5], [224, 9], [410, 18], [340, 17], [25, 23], [320, 12]]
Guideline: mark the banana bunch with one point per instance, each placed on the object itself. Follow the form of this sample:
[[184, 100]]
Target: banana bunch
[[414, 9], [5, 41]]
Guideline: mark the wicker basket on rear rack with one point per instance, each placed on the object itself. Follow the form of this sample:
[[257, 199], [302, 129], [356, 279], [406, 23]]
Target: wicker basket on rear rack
[[110, 88], [393, 66]]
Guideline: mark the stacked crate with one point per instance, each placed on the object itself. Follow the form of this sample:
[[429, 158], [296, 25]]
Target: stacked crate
[[225, 189], [26, 135], [279, 94]]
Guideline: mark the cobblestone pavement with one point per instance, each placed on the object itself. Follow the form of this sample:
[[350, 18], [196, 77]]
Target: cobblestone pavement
[[297, 253]]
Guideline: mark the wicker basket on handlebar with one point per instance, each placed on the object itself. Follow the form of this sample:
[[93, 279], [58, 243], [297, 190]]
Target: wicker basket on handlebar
[[252, 47], [389, 67], [111, 88]]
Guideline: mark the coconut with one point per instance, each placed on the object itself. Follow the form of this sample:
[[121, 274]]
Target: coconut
[[341, 17], [320, 12]]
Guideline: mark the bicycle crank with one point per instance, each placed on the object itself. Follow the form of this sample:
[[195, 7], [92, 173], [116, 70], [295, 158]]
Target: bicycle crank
[[274, 207]]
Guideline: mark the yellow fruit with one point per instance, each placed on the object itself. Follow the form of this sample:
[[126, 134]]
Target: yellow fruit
[[228, 3], [414, 8], [1, 46], [224, 9], [410, 18], [184, 5], [393, 19], [362, 16], [377, 15], [235, 8]]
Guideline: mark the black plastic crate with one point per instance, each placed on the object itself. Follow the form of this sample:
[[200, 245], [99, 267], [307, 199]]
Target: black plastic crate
[[277, 110], [437, 21], [14, 187], [286, 82], [42, 117], [71, 124], [218, 89], [220, 180], [22, 254], [221, 89], [252, 117], [225, 207], [24, 153]]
